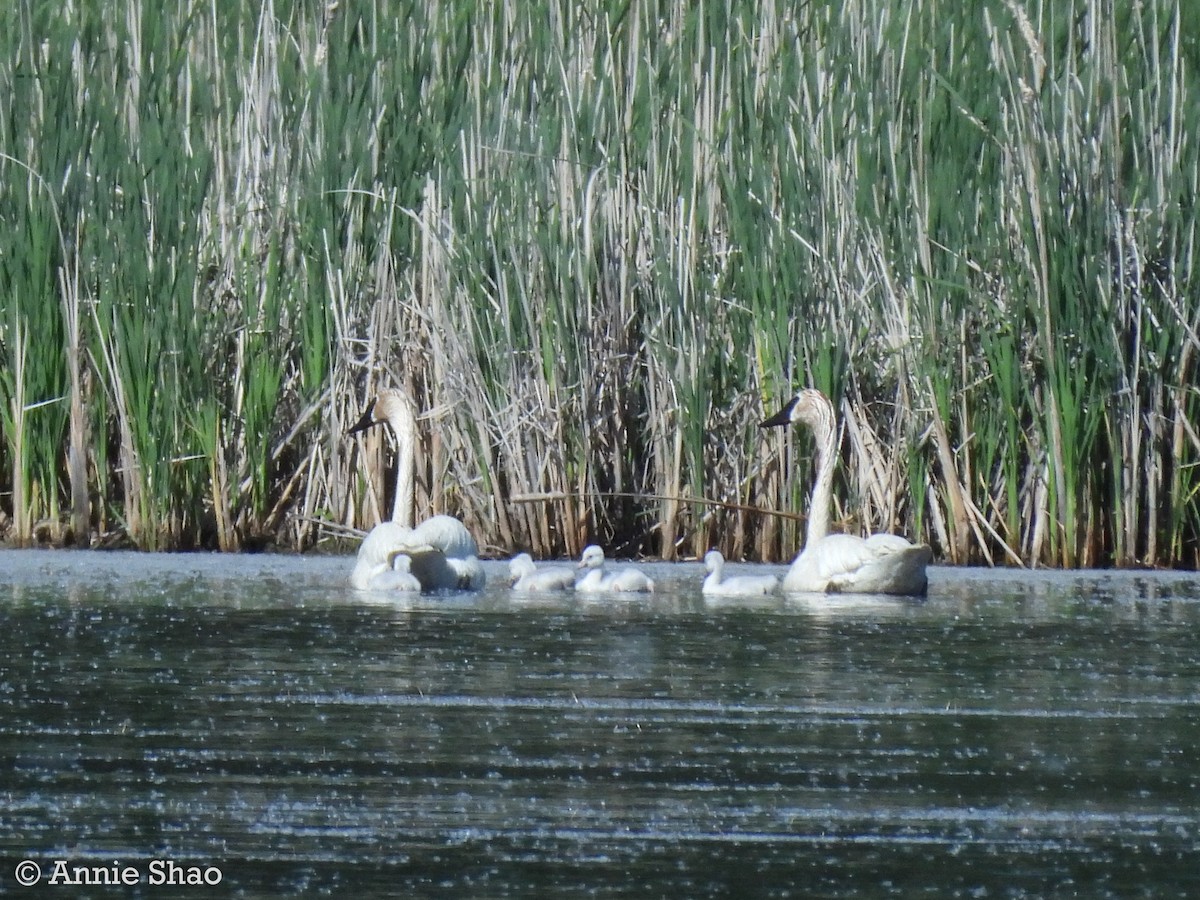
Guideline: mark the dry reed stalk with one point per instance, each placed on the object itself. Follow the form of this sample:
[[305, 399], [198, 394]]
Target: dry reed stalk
[[128, 461], [958, 530], [227, 536]]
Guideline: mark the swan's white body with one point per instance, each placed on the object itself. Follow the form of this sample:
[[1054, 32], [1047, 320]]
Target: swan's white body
[[441, 550], [716, 585], [844, 563], [528, 577], [596, 580], [443, 554]]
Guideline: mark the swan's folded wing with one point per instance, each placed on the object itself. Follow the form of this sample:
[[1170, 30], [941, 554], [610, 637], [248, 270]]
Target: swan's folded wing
[[881, 564], [882, 544], [433, 569], [383, 542], [447, 534], [837, 555]]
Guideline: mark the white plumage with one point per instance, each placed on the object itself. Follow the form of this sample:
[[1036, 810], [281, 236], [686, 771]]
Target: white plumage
[[597, 580], [443, 554], [526, 576], [716, 585], [844, 563], [398, 578]]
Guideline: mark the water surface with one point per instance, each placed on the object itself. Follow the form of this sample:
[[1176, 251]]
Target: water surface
[[1016, 734]]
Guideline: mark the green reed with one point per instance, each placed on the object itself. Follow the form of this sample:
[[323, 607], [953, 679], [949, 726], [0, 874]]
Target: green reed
[[597, 245]]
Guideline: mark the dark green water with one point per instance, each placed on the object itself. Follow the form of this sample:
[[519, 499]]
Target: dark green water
[[1016, 735]]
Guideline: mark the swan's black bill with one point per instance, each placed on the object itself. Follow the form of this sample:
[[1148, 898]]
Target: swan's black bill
[[365, 421], [783, 417]]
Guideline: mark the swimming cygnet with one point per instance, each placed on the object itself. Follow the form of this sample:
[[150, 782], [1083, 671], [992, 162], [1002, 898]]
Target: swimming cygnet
[[528, 577], [734, 586], [398, 578], [596, 580]]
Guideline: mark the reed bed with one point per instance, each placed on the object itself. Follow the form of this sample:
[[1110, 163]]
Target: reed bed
[[597, 243]]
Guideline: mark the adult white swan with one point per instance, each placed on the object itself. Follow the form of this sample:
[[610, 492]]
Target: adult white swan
[[717, 585], [844, 563], [443, 554], [596, 580], [526, 576]]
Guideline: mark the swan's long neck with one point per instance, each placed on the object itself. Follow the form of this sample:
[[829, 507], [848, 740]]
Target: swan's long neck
[[824, 428], [404, 425]]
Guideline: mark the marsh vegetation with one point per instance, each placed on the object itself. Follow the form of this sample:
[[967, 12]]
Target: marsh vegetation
[[595, 243]]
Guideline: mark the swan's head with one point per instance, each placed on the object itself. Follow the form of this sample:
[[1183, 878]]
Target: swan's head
[[713, 560], [810, 407], [520, 566], [593, 557], [390, 406], [401, 562]]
